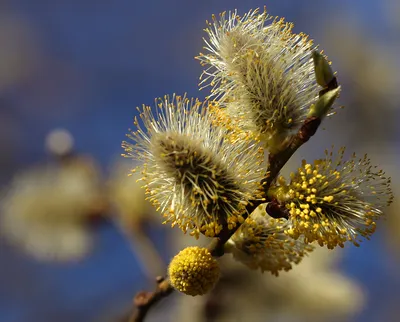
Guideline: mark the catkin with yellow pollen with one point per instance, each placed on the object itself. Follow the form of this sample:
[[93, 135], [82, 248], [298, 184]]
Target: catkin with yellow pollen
[[334, 201], [261, 243], [196, 172], [193, 271], [261, 72]]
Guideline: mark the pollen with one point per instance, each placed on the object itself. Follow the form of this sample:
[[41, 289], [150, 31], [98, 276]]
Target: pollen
[[199, 174], [193, 271], [342, 200], [264, 243], [261, 72]]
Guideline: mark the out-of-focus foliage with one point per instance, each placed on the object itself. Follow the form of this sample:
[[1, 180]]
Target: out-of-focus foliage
[[47, 210]]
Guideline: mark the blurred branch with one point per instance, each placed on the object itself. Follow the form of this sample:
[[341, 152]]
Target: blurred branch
[[143, 247], [143, 301]]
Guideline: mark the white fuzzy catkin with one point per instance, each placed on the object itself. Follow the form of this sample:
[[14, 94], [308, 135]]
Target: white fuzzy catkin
[[45, 210], [261, 72], [199, 175], [260, 243]]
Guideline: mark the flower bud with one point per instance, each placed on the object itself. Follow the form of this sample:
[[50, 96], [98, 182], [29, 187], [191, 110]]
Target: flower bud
[[193, 271], [324, 103], [323, 71]]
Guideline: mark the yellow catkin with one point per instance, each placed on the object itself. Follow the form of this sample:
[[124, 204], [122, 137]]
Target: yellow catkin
[[261, 243], [330, 201], [193, 271]]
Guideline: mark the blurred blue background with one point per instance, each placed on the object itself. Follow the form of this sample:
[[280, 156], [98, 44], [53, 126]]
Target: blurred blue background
[[85, 65]]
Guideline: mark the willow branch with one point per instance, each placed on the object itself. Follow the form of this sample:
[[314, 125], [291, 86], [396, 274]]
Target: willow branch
[[145, 300], [275, 164]]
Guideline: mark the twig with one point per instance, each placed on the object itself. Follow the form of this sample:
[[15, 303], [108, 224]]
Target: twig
[[143, 301], [276, 162]]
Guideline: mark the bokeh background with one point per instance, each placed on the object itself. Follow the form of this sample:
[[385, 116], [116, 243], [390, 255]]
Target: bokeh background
[[85, 65]]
